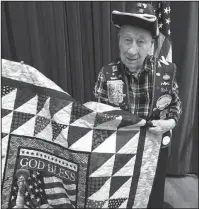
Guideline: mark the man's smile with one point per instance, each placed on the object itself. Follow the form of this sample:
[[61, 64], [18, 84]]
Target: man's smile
[[131, 60]]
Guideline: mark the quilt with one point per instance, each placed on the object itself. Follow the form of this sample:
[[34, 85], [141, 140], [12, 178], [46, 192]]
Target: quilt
[[59, 153]]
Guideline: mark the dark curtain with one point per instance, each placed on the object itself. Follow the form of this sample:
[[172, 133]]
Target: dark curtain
[[184, 27], [69, 42]]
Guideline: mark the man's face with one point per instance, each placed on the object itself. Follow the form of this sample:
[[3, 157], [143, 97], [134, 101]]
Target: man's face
[[134, 44]]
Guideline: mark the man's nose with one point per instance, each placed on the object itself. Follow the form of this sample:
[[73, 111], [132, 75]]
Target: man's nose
[[133, 49]]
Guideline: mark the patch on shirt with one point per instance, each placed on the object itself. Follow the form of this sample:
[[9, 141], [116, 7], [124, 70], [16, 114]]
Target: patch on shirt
[[163, 101], [115, 91]]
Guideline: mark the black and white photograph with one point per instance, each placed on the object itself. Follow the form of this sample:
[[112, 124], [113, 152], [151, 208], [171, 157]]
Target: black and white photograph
[[99, 104]]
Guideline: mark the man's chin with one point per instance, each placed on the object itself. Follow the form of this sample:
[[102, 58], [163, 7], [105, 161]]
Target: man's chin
[[132, 67]]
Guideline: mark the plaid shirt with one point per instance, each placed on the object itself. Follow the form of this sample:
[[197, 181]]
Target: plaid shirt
[[140, 91]]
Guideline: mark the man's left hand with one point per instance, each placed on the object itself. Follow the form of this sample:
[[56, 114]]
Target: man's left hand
[[162, 126]]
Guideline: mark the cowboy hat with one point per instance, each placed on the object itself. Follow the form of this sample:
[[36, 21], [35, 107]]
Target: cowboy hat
[[140, 14]]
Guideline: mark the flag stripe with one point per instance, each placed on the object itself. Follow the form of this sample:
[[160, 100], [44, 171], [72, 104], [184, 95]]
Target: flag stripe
[[70, 187], [50, 188], [59, 201], [59, 185], [57, 195], [56, 190], [165, 48], [160, 43], [55, 179]]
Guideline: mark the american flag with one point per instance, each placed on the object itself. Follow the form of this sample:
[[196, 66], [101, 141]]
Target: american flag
[[163, 46], [46, 192]]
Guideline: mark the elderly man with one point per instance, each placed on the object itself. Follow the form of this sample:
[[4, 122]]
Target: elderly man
[[141, 84]]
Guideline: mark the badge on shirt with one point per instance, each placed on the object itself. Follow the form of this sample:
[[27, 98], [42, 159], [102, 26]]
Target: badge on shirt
[[164, 90], [163, 101], [165, 83], [166, 77], [115, 91]]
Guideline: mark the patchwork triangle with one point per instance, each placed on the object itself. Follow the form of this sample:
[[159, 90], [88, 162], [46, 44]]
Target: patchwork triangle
[[19, 118], [44, 112], [105, 204], [131, 146], [97, 160], [99, 136], [63, 115], [57, 104], [127, 169], [95, 184], [84, 143], [27, 128], [6, 90], [57, 128], [116, 203], [120, 161], [5, 112], [75, 133], [108, 146], [40, 124], [3, 135], [41, 101], [8, 101], [110, 125], [129, 120], [46, 133], [117, 182], [86, 121], [106, 169], [78, 111], [123, 191], [102, 193], [62, 138], [103, 118], [23, 96], [123, 137], [6, 123], [29, 107], [124, 204]]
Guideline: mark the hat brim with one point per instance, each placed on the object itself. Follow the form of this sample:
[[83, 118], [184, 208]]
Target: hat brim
[[147, 22]]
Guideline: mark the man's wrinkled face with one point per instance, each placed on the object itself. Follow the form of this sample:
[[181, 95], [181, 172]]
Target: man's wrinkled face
[[134, 44]]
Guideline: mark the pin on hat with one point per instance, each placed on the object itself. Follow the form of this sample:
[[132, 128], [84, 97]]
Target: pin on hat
[[140, 14]]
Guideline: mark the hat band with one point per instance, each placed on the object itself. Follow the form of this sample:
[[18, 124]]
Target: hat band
[[147, 17]]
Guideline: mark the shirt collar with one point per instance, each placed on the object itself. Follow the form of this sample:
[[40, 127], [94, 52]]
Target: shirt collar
[[147, 66]]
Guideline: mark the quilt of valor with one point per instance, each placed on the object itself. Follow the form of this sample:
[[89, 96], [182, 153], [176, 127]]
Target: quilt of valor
[[58, 153]]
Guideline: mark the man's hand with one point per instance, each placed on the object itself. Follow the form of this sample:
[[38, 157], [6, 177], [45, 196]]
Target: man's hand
[[162, 126]]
